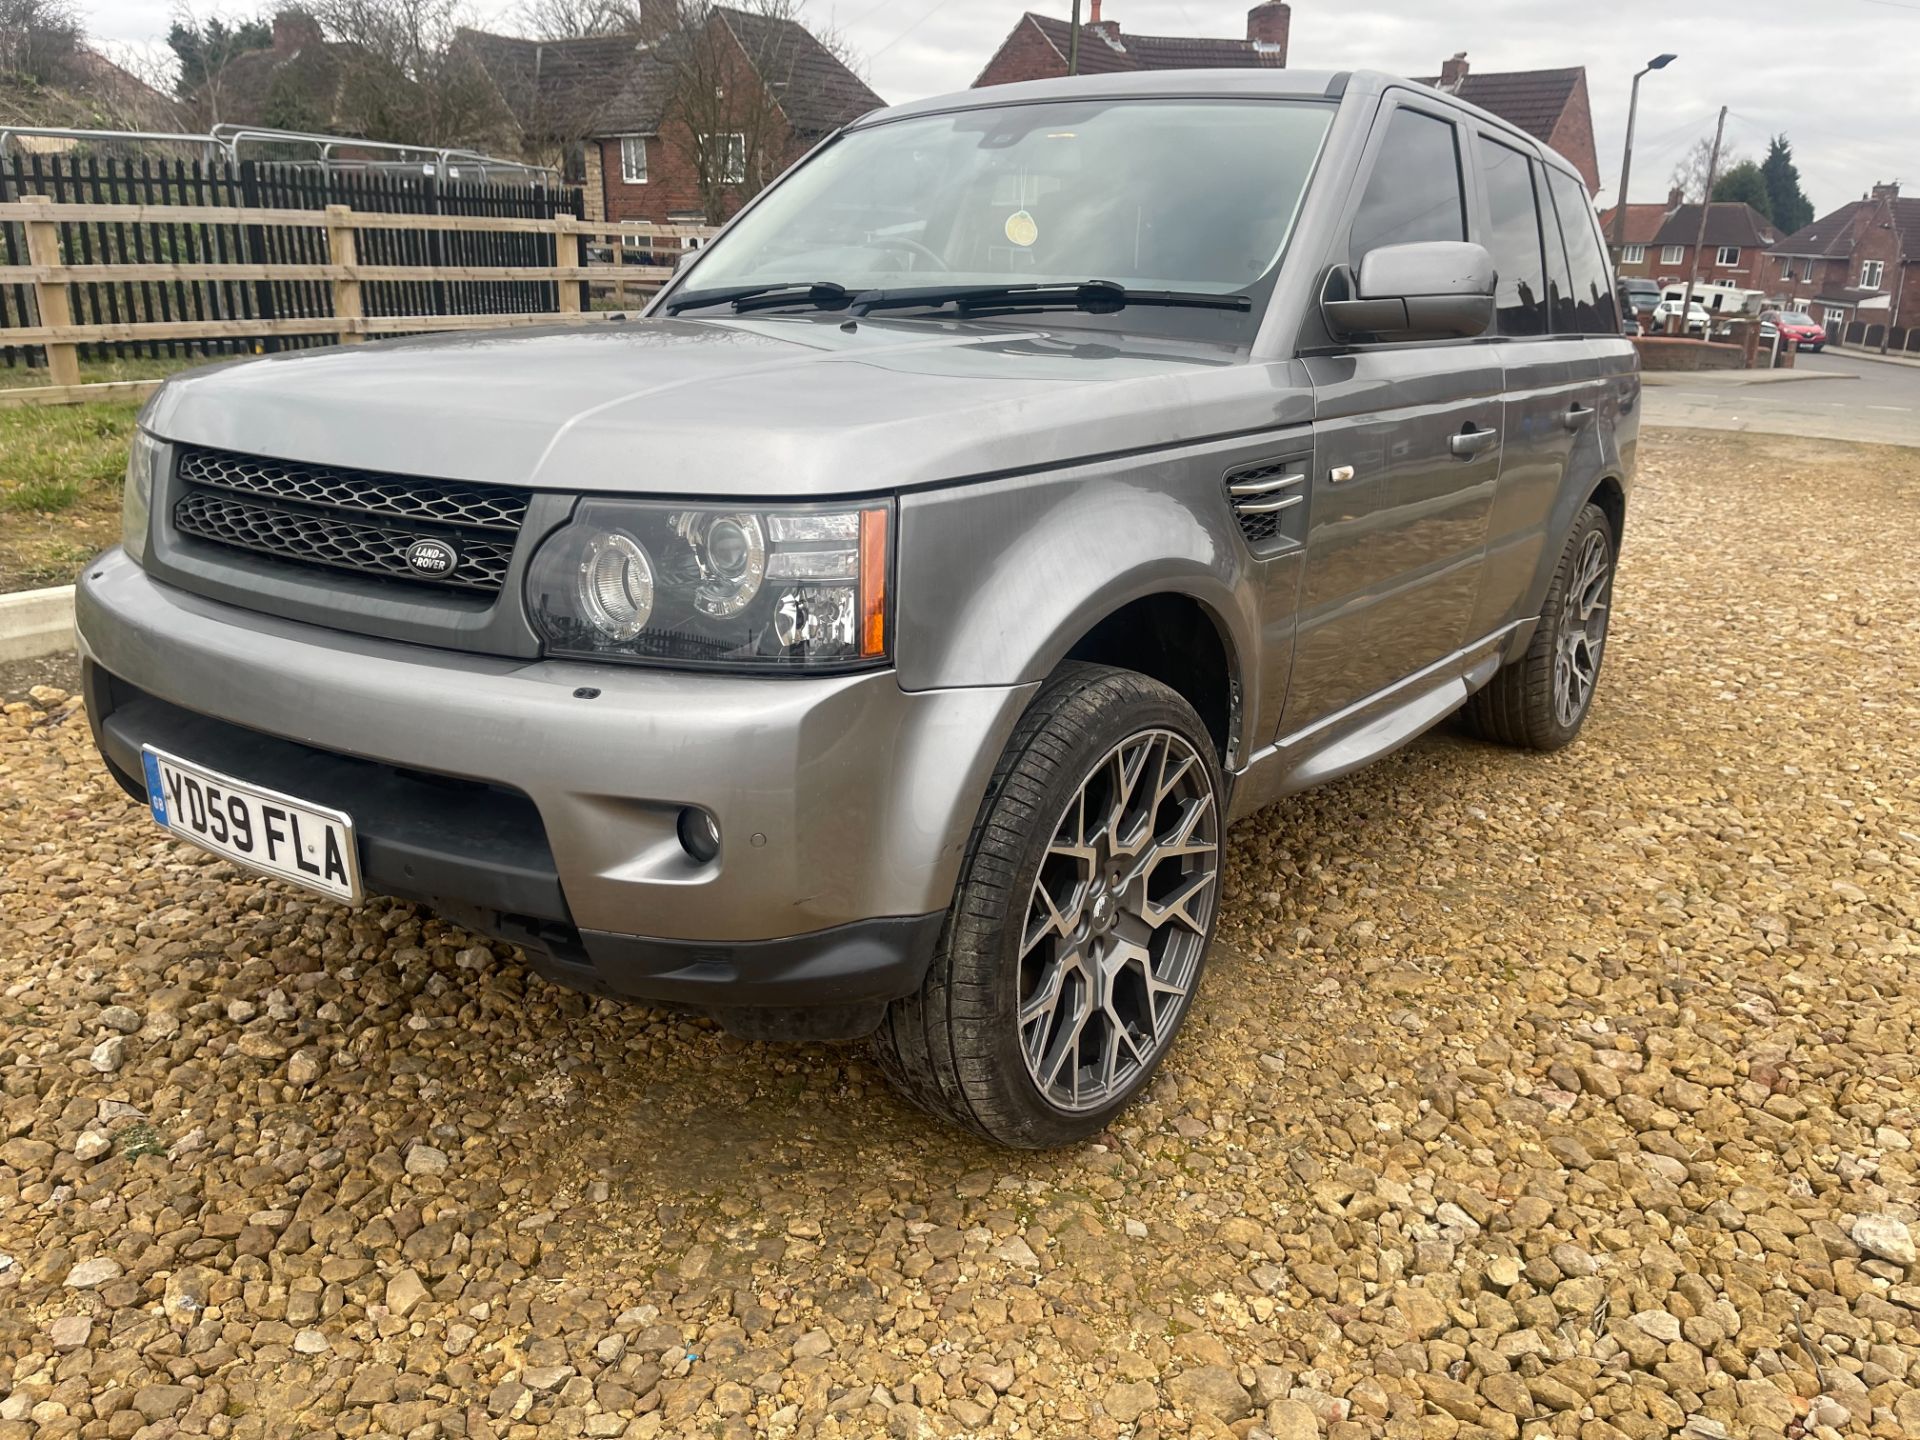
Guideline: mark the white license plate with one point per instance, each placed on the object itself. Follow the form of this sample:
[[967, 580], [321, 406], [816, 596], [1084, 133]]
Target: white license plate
[[261, 828]]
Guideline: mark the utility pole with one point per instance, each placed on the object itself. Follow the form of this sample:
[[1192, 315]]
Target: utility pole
[[1899, 294], [1073, 45], [1700, 239]]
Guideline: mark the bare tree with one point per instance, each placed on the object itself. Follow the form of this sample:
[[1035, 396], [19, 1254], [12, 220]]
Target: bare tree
[[40, 40], [404, 78], [1690, 174], [572, 19], [732, 69]]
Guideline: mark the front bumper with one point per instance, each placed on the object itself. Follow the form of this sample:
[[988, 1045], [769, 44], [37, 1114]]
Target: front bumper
[[539, 800]]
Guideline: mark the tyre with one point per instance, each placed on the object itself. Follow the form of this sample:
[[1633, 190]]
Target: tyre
[[1081, 923], [1540, 701]]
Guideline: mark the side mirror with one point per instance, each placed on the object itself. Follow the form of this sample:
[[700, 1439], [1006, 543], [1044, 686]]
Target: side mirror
[[684, 259], [1430, 290]]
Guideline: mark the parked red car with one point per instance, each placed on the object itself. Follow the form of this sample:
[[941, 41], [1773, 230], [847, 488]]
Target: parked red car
[[1796, 327]]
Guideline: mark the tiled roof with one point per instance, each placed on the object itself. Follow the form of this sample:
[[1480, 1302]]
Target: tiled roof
[[1848, 295], [810, 83], [1728, 223], [1105, 50], [1906, 218], [554, 87], [1833, 237], [815, 90], [635, 108], [1532, 99], [1643, 224]]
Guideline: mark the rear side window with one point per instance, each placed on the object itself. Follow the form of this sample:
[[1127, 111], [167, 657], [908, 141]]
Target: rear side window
[[1592, 305], [1559, 281], [1513, 235], [1415, 191]]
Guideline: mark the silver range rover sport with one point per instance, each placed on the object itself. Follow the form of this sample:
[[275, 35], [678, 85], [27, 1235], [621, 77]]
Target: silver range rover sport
[[878, 635]]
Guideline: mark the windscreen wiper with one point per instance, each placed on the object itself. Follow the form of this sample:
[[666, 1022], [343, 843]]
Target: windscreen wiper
[[821, 294], [1095, 297]]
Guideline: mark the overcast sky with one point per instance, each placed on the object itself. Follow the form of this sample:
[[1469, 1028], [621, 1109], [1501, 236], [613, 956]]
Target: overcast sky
[[1837, 76]]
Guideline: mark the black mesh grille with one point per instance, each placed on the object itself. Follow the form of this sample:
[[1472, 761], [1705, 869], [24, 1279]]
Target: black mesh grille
[[356, 520], [317, 539], [388, 496], [1259, 528]]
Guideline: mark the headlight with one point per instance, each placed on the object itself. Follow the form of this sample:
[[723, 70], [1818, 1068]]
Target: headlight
[[674, 584], [136, 496]]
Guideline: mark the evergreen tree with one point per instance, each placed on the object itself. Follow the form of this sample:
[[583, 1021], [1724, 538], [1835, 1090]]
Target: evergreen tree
[[1744, 182], [205, 46], [1791, 209]]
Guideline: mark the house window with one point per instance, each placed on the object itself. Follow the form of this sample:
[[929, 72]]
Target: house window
[[1807, 274], [1871, 272], [1673, 254], [633, 159], [733, 162], [1634, 255], [1729, 256]]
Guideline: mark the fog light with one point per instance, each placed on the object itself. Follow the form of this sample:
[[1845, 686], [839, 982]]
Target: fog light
[[699, 834]]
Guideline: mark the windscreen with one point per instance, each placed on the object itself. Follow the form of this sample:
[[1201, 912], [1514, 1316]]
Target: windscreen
[[1196, 195]]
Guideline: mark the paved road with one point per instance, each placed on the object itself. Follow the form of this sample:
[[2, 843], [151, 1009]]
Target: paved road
[[1861, 400]]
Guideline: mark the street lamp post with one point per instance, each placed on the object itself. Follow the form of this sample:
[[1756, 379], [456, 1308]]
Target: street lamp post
[[1659, 62]]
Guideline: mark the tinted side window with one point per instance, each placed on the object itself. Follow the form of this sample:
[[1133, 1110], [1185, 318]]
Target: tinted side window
[[1514, 238], [1559, 283], [1593, 304], [1415, 192]]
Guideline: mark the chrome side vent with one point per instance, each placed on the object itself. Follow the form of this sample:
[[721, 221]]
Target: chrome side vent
[[1262, 494]]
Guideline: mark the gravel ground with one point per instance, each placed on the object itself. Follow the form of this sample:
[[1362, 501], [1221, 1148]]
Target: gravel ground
[[1571, 1096]]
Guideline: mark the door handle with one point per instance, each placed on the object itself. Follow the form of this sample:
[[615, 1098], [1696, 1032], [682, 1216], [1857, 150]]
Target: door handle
[[1471, 442], [1577, 416]]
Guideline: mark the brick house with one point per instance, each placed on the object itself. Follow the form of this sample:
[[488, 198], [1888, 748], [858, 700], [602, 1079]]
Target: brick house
[[1659, 244], [1038, 47], [680, 127], [1551, 105], [1639, 233], [1858, 263]]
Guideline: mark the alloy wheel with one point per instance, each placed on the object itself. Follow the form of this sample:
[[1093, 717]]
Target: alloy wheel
[[1583, 629], [1118, 920]]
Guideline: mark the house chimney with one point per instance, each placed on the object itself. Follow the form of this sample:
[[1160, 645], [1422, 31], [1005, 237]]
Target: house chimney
[[1453, 72], [1890, 190], [1267, 27], [1676, 197], [293, 30], [1094, 19]]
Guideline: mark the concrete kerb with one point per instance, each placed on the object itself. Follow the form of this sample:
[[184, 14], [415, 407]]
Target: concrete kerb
[[1727, 379], [36, 622]]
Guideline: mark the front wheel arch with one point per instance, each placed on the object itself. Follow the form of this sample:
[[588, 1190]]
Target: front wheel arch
[[1171, 637]]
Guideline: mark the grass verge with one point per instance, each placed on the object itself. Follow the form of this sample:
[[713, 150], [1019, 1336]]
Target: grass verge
[[60, 473]]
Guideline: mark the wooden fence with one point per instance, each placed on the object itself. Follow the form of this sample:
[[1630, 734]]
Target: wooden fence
[[1874, 335], [104, 178], [335, 275]]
